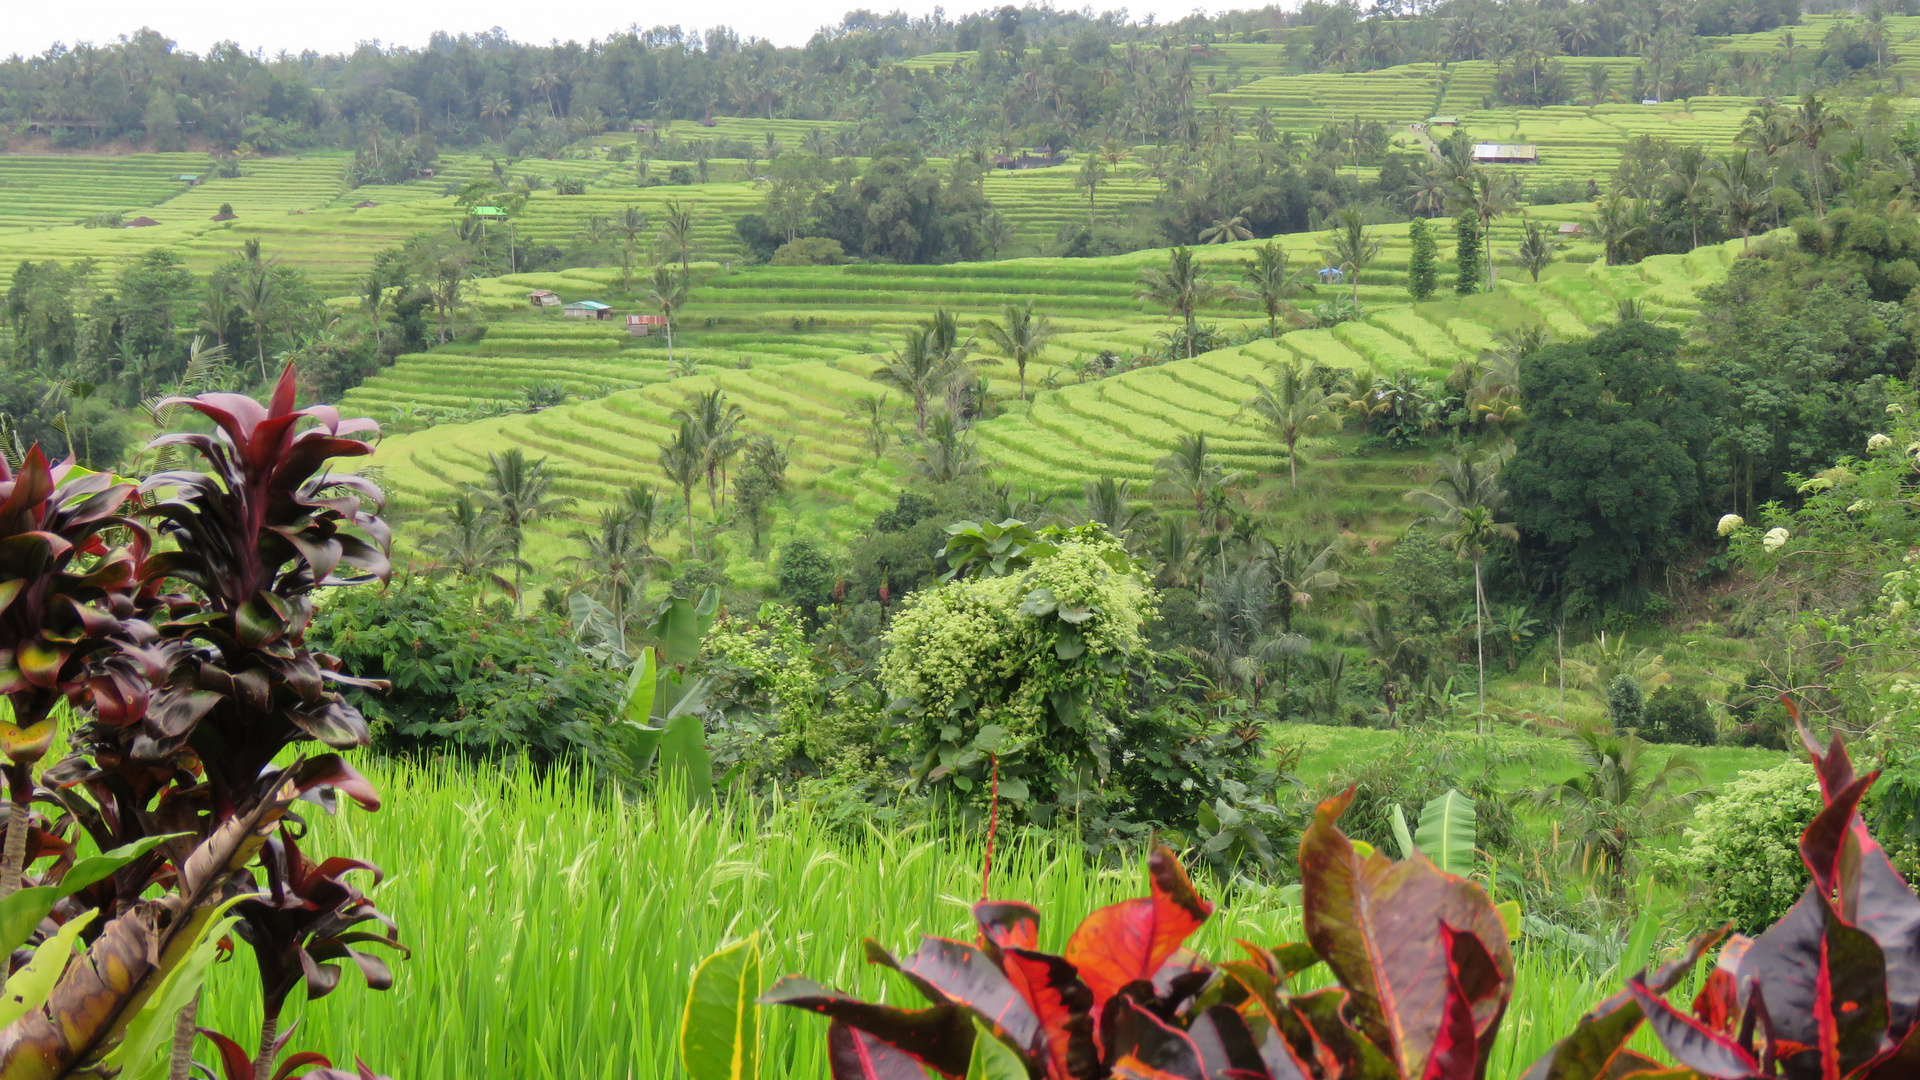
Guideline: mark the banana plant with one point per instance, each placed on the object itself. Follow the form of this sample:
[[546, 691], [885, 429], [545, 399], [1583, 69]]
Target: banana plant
[[678, 742], [1445, 833]]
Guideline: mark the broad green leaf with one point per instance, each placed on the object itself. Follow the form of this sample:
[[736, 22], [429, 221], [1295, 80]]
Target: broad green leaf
[[683, 750], [139, 1054], [1446, 832], [1509, 913], [1400, 834], [640, 688], [22, 912], [993, 1059], [720, 1029], [28, 988]]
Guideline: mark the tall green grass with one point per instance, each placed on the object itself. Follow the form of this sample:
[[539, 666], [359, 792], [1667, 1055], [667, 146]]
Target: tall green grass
[[553, 928]]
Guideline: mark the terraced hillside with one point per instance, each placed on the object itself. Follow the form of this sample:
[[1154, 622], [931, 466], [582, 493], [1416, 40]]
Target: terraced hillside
[[799, 364]]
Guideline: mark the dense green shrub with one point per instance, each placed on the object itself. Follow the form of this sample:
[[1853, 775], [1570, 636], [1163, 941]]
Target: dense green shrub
[[810, 251], [1742, 849], [467, 674], [1626, 705], [1677, 715]]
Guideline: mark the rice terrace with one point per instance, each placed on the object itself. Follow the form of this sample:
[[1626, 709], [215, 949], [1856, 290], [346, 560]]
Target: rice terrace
[[1311, 543]]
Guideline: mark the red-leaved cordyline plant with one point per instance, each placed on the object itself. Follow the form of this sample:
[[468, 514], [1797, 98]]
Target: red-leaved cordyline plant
[[1420, 955], [180, 754], [68, 628], [1830, 992]]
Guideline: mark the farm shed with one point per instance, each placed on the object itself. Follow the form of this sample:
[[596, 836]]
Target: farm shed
[[141, 223], [1569, 228], [1443, 121], [642, 325], [587, 309], [1505, 154], [364, 203], [190, 179], [543, 298], [487, 212]]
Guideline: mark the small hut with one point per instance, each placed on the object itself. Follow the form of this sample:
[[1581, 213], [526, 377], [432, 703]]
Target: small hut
[[642, 325], [1505, 154], [141, 223], [541, 298], [587, 309], [364, 203]]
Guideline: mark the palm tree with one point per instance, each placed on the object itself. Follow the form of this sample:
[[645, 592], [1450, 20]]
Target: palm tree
[[668, 291], [1022, 339], [1737, 183], [1181, 288], [1618, 799], [1093, 172], [618, 559], [496, 108], [1811, 124], [1489, 193], [676, 229], [922, 367], [1110, 502], [520, 492], [1300, 574], [1291, 405], [946, 454], [374, 302], [1190, 471], [1536, 251], [1351, 246], [684, 461], [259, 299], [876, 425], [1618, 222], [1228, 229], [471, 543], [1690, 176], [1465, 502], [1271, 284], [716, 424]]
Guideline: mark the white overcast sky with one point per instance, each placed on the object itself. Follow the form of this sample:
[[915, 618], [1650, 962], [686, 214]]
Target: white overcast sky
[[30, 26]]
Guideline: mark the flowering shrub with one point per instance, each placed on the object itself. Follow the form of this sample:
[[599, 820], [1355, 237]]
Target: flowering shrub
[[1743, 847], [1017, 666]]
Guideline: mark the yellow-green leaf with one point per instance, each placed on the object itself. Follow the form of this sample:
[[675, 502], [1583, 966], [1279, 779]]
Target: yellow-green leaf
[[720, 1030], [138, 1054], [28, 988], [993, 1059], [1509, 913]]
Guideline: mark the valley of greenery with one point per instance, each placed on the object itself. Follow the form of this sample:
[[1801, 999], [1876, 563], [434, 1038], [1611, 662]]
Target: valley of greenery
[[1423, 478]]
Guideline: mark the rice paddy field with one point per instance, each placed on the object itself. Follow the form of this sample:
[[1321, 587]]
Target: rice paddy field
[[797, 349], [543, 944]]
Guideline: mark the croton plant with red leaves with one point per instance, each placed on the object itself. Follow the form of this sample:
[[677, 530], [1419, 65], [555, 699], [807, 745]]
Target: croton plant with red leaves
[[1420, 956], [1830, 992]]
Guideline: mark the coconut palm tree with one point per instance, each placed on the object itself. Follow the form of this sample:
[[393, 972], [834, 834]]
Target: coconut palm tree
[[1618, 799], [258, 298], [1181, 288], [520, 492], [1465, 502], [667, 288], [470, 543], [495, 108], [1226, 230], [716, 424], [1093, 172], [1351, 246], [1618, 223], [1022, 338], [1489, 194], [921, 369], [676, 230], [947, 452], [1291, 405], [1190, 471], [1272, 284], [1737, 189], [1301, 574], [618, 559], [1811, 124], [1690, 178], [1536, 251], [684, 461], [876, 423], [1110, 502]]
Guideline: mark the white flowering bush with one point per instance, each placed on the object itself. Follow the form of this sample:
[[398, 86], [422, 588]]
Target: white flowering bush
[[1018, 666], [1742, 849]]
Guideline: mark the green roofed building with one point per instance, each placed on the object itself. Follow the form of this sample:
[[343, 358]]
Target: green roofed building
[[488, 212]]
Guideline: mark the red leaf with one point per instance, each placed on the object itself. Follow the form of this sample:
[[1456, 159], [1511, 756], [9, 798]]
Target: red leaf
[[940, 1038], [1456, 1047], [952, 972], [1064, 1005], [1718, 1003], [1008, 924], [853, 1054], [234, 1059], [1129, 941], [1691, 1043], [1144, 1037], [300, 1060]]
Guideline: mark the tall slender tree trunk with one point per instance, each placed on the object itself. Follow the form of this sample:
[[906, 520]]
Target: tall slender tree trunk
[[263, 1064], [1480, 641], [180, 1061], [20, 813]]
